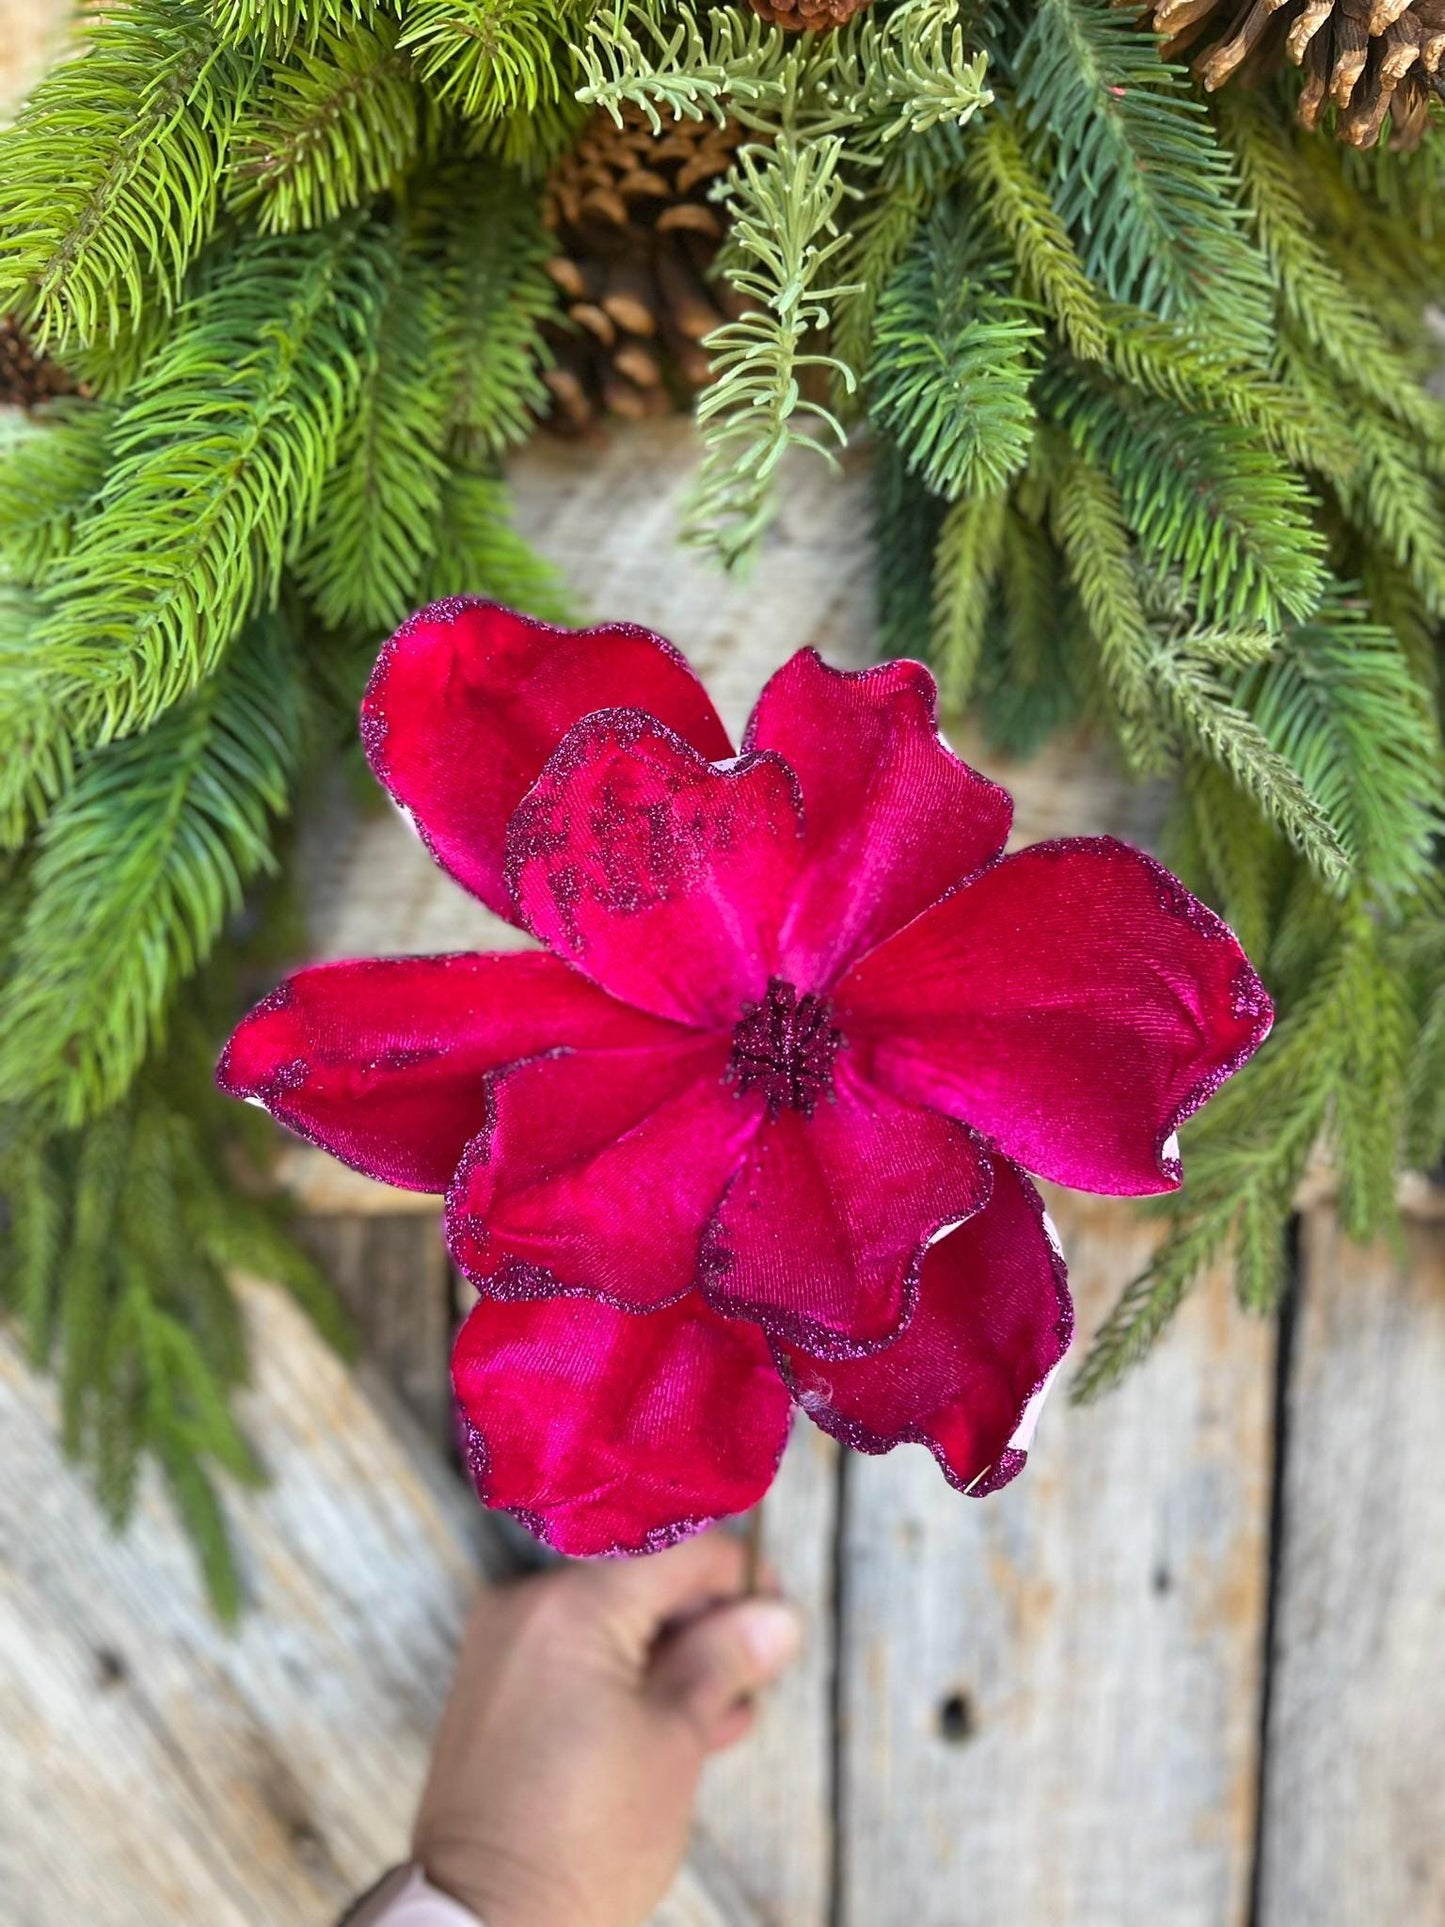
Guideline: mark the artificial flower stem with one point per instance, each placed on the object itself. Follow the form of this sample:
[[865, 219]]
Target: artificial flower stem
[[753, 1550]]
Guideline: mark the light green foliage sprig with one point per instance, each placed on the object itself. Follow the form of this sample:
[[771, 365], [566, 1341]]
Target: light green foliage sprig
[[140, 863], [109, 179], [828, 107], [220, 455], [785, 200], [332, 127]]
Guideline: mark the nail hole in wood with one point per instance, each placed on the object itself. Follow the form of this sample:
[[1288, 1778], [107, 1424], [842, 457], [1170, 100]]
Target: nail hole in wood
[[110, 1669], [955, 1718]]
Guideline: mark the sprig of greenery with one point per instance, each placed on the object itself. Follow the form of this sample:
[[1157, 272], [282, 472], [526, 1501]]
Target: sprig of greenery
[[109, 179]]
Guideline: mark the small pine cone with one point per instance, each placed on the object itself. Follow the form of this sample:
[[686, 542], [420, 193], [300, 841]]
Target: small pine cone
[[636, 238], [1373, 61], [807, 16], [26, 378]]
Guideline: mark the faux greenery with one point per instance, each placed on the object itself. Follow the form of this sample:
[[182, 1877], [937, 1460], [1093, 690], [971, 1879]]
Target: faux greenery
[[1146, 382]]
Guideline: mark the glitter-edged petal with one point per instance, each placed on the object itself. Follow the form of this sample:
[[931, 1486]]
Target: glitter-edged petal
[[968, 1374], [894, 818], [606, 1432], [382, 1062], [660, 875], [468, 700], [597, 1172], [821, 1235], [1074, 1002]]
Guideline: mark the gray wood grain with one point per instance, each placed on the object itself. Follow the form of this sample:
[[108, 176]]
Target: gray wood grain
[[1050, 1695], [767, 1808], [157, 1771], [1355, 1775]]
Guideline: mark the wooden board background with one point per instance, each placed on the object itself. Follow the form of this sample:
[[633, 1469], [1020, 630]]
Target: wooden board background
[[1183, 1673]]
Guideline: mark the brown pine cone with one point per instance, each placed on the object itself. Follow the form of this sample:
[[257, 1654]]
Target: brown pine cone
[[1369, 59], [807, 16], [26, 378], [636, 239]]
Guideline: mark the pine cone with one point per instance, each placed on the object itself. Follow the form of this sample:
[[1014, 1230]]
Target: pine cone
[[27, 379], [807, 16], [636, 238], [1368, 59]]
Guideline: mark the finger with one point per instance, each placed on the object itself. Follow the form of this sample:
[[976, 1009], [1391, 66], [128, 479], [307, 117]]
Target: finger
[[709, 1669], [650, 1592]]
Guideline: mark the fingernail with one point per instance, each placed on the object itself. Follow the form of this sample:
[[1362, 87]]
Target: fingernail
[[773, 1633]]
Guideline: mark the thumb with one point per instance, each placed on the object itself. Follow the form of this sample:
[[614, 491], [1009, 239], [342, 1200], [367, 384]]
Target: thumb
[[709, 1671]]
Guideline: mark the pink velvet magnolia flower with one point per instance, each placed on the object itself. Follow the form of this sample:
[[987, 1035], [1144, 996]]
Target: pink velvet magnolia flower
[[751, 1130]]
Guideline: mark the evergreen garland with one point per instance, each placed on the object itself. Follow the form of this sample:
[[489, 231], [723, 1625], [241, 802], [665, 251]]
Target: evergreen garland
[[1145, 377]]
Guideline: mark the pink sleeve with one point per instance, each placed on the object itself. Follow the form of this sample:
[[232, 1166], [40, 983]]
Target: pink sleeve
[[406, 1898]]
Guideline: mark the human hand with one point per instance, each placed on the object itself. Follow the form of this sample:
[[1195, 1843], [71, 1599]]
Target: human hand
[[584, 1705]]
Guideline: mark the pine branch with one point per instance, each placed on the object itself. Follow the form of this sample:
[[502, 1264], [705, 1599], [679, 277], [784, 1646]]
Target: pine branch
[[333, 127], [966, 562], [50, 472], [877, 242], [367, 557], [872, 82], [1202, 708], [784, 202], [1137, 176], [1018, 203], [1032, 688], [1312, 294], [121, 1238], [37, 758], [109, 178], [220, 458], [954, 360], [496, 299], [906, 525], [1340, 705], [278, 24], [1088, 521], [1202, 498], [136, 873], [1167, 360], [487, 58]]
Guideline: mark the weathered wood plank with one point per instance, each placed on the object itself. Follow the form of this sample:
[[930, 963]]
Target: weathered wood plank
[[1050, 1696], [159, 1772], [1355, 1752], [767, 1808]]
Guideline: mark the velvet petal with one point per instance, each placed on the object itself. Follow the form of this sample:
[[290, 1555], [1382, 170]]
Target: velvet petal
[[967, 1376], [597, 1172], [1074, 1002], [894, 818], [605, 1432], [821, 1235], [660, 875], [382, 1062], [467, 701]]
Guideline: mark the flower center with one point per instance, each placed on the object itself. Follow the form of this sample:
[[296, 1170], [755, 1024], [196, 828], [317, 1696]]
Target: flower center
[[784, 1047]]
